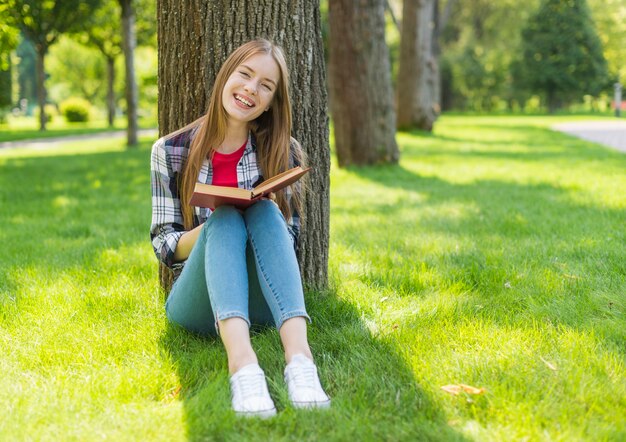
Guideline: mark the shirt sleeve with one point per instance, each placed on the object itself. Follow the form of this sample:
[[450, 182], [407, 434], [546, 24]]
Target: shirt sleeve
[[167, 221]]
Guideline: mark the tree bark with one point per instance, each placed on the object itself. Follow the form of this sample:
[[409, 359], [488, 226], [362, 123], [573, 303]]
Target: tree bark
[[41, 84], [361, 95], [129, 42], [111, 90], [418, 86], [194, 40], [6, 83]]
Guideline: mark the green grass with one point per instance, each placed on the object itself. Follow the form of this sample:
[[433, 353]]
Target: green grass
[[491, 256], [27, 128]]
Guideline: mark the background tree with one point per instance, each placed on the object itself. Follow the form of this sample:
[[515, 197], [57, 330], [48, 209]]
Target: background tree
[[42, 22], [26, 76], [482, 52], [8, 42], [361, 94], [194, 41], [104, 32], [75, 70], [562, 54], [129, 42], [418, 90], [481, 40], [611, 26]]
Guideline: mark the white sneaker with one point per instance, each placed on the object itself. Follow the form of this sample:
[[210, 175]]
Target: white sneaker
[[303, 383], [250, 396]]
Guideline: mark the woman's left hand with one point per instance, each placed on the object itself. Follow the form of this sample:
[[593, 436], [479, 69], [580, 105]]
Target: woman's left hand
[[272, 197]]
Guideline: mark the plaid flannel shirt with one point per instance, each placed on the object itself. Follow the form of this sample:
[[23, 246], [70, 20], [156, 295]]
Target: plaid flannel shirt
[[167, 162]]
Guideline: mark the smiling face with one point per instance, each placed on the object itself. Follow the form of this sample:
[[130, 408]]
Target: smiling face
[[249, 90]]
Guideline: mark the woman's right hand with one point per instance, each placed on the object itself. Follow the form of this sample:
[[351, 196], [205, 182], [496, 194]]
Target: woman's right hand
[[186, 243]]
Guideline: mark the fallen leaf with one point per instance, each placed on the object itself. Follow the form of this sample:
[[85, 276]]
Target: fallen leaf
[[452, 389], [384, 298], [472, 390], [456, 389], [548, 364]]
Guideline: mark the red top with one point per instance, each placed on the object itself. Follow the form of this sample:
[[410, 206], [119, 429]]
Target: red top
[[225, 167]]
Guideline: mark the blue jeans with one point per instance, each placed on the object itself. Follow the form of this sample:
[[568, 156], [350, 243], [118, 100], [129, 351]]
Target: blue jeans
[[242, 265]]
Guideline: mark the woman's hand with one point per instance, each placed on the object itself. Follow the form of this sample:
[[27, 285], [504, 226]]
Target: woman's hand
[[186, 243], [272, 197]]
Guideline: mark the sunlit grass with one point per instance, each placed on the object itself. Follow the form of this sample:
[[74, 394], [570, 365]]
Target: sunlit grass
[[27, 128], [492, 256]]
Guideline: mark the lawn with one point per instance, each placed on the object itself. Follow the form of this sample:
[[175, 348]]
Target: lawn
[[27, 128], [492, 256]]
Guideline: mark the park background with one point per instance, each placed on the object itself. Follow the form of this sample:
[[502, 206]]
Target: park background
[[488, 252]]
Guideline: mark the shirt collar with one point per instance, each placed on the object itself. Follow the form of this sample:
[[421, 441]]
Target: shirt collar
[[251, 145]]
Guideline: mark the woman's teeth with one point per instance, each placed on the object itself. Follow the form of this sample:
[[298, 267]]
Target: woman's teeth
[[243, 100]]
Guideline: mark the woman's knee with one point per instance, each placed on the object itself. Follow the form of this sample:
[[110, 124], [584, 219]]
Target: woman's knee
[[226, 214], [226, 220], [263, 211]]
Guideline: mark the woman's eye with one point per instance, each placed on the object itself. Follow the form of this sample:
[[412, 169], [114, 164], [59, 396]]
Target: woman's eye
[[245, 74], [267, 87]]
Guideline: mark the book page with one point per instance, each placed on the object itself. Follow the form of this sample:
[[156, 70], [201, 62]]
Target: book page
[[279, 181]]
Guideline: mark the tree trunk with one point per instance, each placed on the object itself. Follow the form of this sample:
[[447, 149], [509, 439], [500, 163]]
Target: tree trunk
[[418, 86], [111, 90], [194, 40], [41, 85], [6, 84], [129, 41], [361, 95]]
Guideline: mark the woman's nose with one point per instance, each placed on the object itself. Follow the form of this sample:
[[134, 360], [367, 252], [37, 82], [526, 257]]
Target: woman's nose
[[250, 87]]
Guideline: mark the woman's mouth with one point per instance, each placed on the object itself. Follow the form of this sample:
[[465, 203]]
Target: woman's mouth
[[244, 101]]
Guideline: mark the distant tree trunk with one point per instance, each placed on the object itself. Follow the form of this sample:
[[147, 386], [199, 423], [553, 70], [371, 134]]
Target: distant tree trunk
[[418, 86], [445, 80], [436, 52], [129, 42], [361, 94], [41, 85], [42, 22], [111, 90], [6, 83], [447, 86], [194, 41]]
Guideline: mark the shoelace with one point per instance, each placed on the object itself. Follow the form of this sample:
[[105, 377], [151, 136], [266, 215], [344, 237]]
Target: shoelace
[[250, 385], [304, 376]]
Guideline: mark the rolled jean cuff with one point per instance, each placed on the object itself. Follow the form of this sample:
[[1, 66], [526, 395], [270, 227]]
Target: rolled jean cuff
[[229, 315], [290, 315]]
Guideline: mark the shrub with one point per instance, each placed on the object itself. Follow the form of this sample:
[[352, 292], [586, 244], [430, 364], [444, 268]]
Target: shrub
[[49, 109], [76, 109], [4, 112]]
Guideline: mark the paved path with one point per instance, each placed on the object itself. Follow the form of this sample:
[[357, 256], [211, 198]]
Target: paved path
[[42, 143], [609, 133]]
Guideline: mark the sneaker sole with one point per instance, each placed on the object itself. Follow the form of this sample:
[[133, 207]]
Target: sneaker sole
[[325, 404], [264, 414]]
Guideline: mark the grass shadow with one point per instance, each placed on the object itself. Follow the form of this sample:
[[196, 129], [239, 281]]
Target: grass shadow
[[374, 392], [67, 209], [85, 216], [537, 251]]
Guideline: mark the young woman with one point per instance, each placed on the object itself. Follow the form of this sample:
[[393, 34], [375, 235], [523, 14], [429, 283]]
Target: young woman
[[235, 268]]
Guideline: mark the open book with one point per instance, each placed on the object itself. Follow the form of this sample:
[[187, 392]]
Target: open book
[[206, 195]]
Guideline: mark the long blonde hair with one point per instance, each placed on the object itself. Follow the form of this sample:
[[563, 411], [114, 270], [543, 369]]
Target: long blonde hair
[[272, 130]]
